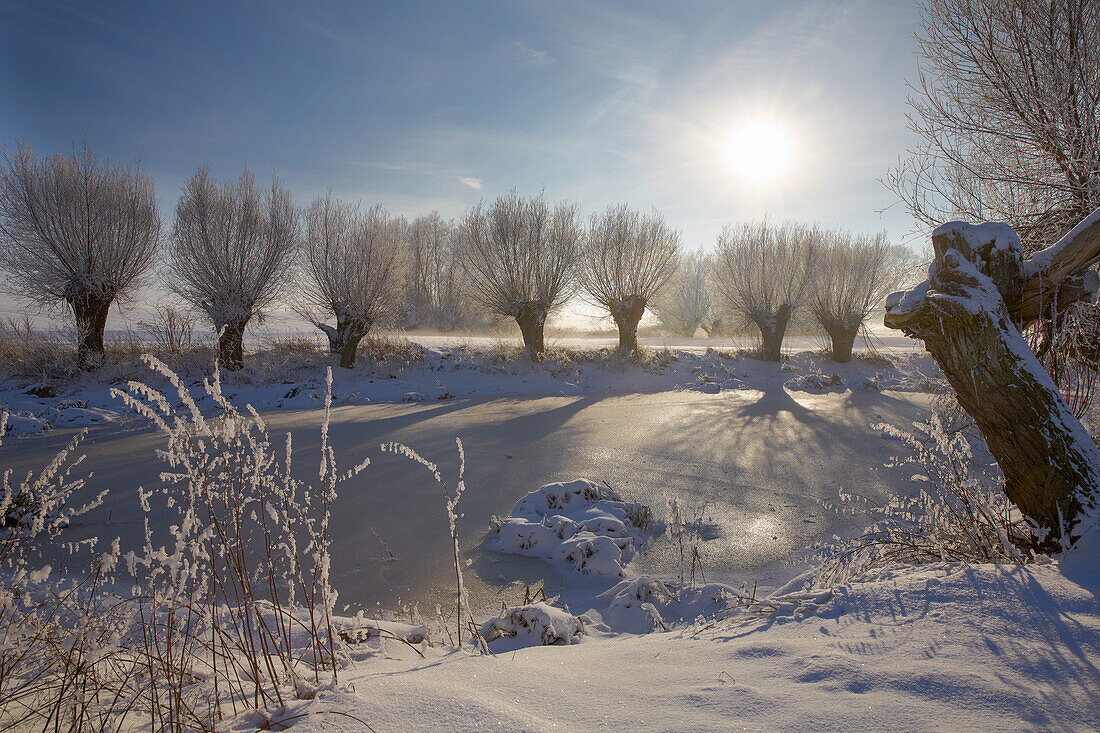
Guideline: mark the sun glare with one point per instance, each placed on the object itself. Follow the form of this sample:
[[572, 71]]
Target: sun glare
[[759, 151]]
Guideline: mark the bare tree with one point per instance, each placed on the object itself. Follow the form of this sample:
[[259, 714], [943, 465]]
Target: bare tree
[[352, 265], [851, 278], [170, 329], [521, 258], [230, 252], [435, 279], [979, 288], [1007, 113], [686, 303], [762, 274], [629, 256], [78, 231]]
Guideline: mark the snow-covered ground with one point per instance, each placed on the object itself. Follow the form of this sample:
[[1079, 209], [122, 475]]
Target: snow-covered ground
[[946, 647], [752, 452], [442, 368]]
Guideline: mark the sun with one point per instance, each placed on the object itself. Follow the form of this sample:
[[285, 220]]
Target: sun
[[759, 151]]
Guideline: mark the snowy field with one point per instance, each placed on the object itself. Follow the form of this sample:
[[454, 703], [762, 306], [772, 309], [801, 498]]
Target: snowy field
[[755, 455]]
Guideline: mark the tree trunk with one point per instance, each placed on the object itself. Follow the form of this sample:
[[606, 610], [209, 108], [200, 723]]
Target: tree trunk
[[771, 333], [231, 345], [962, 312], [627, 314], [90, 313], [532, 320], [343, 340], [842, 338]]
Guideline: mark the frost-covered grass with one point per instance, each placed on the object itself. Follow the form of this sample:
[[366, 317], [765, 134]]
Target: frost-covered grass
[[231, 611], [960, 513]]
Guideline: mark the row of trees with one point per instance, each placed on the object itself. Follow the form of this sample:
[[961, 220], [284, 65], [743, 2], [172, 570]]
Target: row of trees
[[88, 233], [762, 275]]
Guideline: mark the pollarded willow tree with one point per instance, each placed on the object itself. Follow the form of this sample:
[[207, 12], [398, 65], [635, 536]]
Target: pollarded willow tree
[[979, 294], [628, 259], [77, 231], [230, 252], [851, 277], [521, 258], [763, 273], [1007, 118], [686, 302], [352, 271], [436, 296]]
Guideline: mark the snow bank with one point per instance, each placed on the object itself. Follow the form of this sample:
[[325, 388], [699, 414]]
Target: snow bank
[[578, 524], [944, 647], [358, 629], [84, 400], [816, 382]]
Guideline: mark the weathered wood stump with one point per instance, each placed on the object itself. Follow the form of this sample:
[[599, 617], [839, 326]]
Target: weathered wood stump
[[980, 292]]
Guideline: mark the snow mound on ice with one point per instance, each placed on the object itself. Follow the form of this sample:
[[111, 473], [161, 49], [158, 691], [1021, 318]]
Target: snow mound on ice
[[644, 604], [535, 623], [578, 523]]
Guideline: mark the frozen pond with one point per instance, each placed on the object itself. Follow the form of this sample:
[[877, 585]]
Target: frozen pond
[[765, 461]]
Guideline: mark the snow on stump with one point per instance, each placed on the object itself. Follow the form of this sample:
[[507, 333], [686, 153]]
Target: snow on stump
[[539, 623], [980, 291], [580, 524]]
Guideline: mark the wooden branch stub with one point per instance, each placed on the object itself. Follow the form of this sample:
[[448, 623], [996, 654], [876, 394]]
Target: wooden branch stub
[[1050, 271], [995, 249]]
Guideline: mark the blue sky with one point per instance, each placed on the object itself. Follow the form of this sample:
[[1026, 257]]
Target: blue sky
[[436, 105]]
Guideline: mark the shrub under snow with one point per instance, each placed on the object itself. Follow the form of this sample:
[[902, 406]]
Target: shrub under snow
[[541, 623], [579, 524], [644, 604]]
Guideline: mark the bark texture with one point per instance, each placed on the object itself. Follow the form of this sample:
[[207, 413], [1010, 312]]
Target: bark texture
[[90, 313], [964, 315], [231, 346], [627, 315], [843, 337], [343, 341], [772, 330], [531, 318]]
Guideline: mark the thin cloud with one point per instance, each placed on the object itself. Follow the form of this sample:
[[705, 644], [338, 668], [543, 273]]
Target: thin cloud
[[470, 182], [531, 56]]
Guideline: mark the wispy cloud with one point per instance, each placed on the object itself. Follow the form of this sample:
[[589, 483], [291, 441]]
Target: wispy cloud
[[531, 56], [470, 182]]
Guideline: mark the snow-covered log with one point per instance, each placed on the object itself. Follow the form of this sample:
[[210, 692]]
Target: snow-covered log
[[979, 288]]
